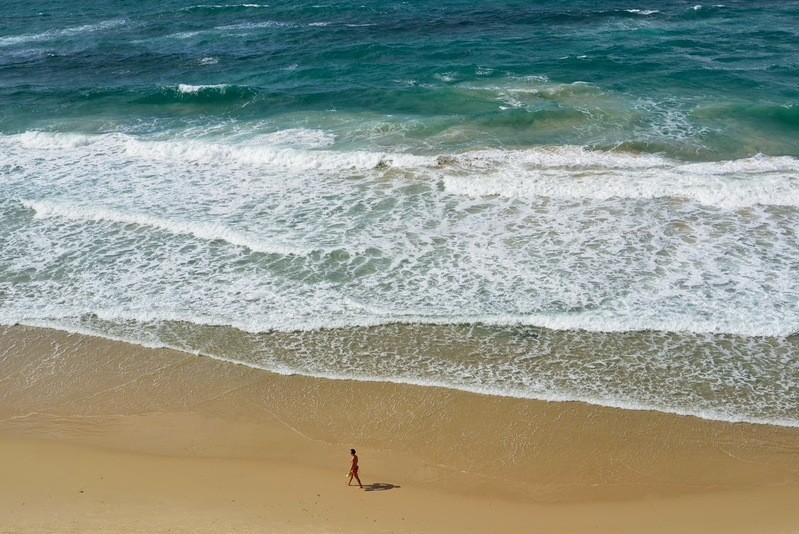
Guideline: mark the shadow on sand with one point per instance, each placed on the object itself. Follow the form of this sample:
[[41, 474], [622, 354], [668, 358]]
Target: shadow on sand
[[379, 486]]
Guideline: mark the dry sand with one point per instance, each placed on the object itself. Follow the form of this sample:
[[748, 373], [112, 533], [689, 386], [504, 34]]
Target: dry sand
[[104, 436]]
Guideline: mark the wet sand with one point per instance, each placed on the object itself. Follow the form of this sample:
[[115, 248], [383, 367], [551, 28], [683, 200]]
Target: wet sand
[[106, 436]]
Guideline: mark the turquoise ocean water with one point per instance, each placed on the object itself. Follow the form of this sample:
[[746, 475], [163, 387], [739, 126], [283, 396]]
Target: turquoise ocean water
[[561, 200]]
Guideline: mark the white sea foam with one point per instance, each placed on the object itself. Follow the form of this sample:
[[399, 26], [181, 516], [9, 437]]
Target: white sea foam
[[190, 89], [223, 6], [573, 172], [60, 33], [185, 35], [288, 149], [447, 77], [564, 238], [204, 230], [557, 172], [256, 25], [269, 155], [729, 414], [297, 138], [46, 141]]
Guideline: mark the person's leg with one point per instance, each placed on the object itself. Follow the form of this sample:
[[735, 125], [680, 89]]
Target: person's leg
[[349, 480], [358, 479]]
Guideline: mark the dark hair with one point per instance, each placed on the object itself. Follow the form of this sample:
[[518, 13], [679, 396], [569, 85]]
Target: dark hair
[[352, 451]]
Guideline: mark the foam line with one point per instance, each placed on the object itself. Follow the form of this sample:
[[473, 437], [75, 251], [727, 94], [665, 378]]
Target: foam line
[[568, 172], [491, 391], [253, 153], [256, 25], [204, 231], [55, 34], [191, 89], [586, 322], [271, 156], [574, 172]]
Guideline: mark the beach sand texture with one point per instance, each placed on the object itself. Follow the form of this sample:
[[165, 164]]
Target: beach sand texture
[[100, 435]]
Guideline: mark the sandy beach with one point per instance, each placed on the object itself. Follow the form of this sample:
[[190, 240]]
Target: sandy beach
[[100, 435]]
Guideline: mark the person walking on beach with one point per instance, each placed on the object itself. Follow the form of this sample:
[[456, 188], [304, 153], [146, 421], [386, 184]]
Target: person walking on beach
[[354, 470]]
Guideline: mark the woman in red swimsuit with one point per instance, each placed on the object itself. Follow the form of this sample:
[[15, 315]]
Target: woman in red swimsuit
[[354, 469]]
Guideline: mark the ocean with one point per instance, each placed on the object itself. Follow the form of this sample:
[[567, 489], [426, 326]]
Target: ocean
[[561, 200]]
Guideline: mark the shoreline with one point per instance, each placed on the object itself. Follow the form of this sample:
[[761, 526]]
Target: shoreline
[[218, 335], [446, 459]]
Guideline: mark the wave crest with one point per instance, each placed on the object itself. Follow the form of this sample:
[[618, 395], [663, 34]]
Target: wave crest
[[575, 172], [566, 172], [200, 230]]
